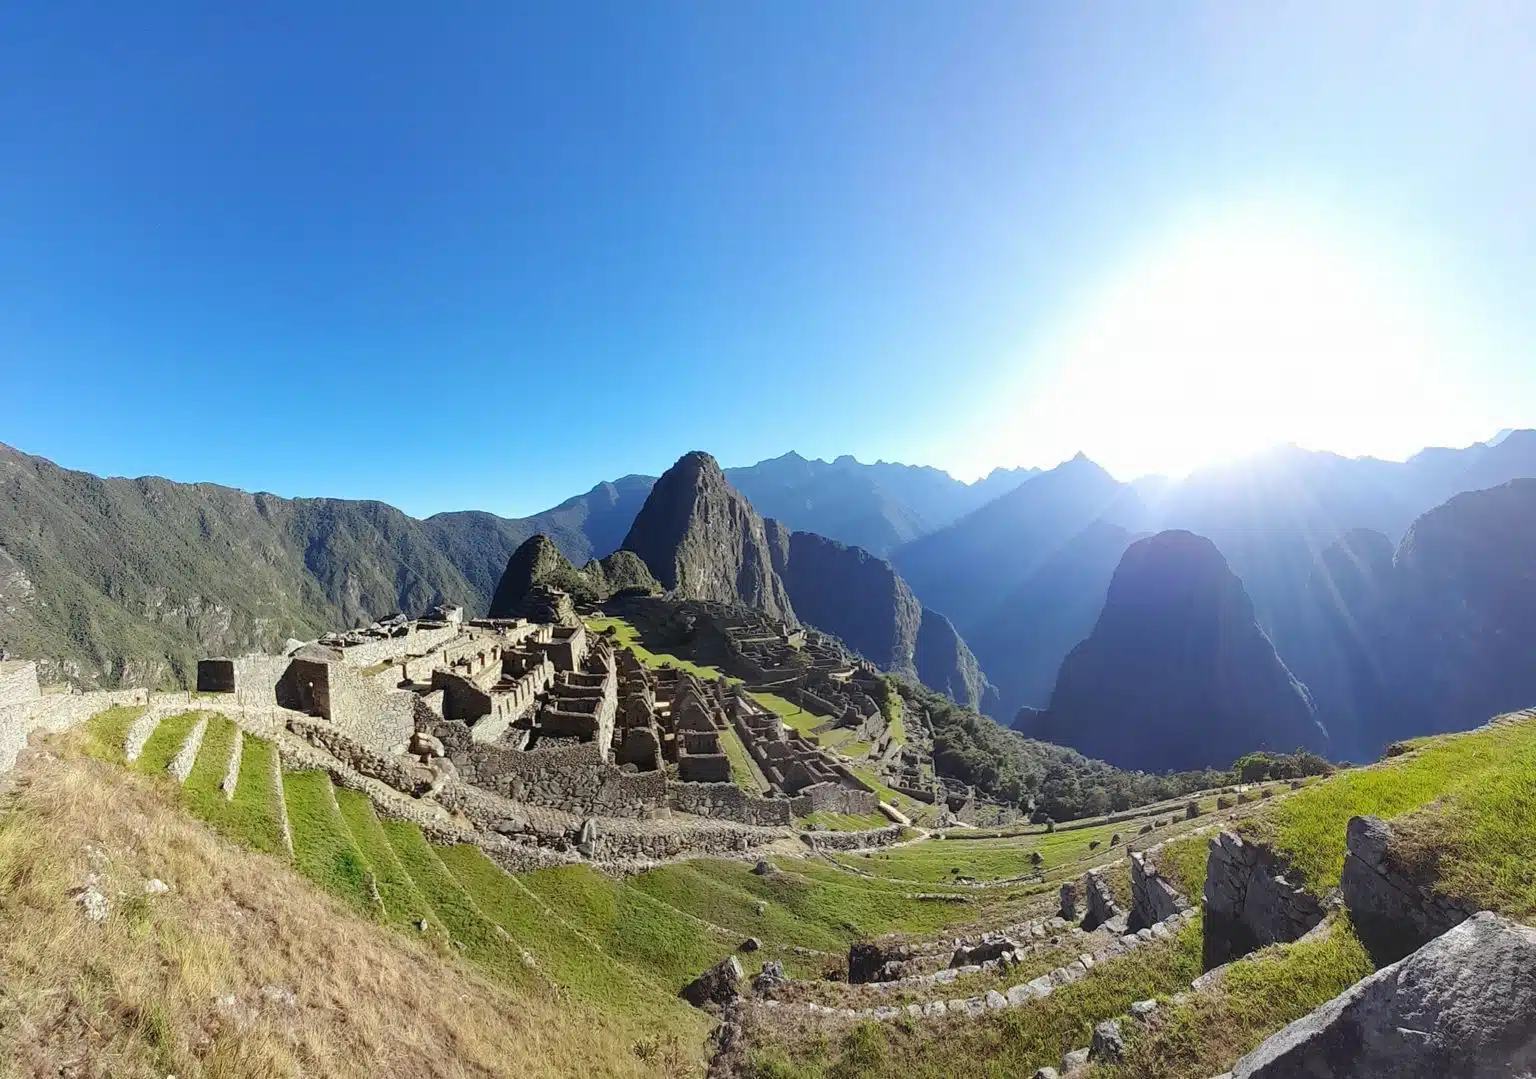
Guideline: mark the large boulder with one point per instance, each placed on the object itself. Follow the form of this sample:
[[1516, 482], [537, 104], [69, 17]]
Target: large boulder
[[719, 985], [1461, 1007]]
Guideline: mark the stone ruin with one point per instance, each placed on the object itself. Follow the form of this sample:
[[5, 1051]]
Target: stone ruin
[[504, 722]]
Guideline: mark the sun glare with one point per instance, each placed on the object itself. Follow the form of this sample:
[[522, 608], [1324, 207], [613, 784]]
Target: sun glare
[[1256, 330]]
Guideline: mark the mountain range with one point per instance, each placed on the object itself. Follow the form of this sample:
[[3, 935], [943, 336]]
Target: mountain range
[[982, 590]]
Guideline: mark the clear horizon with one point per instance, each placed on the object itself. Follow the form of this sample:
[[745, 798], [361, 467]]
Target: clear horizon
[[491, 259]]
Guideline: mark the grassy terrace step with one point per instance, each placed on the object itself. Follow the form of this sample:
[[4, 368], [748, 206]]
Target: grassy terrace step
[[104, 734], [468, 928], [639, 931], [163, 744], [250, 817], [575, 962], [1485, 772], [1258, 996], [322, 843], [403, 903], [1015, 1041]]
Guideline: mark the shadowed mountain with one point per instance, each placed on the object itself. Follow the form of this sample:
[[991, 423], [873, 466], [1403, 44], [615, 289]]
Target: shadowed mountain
[[1176, 673], [538, 563], [946, 664], [1022, 642], [702, 540], [1462, 620], [853, 595], [967, 569]]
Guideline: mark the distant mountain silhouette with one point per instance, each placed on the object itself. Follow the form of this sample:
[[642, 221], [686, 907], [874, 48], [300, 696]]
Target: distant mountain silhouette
[[946, 663], [967, 569], [1176, 673], [877, 506], [1023, 640]]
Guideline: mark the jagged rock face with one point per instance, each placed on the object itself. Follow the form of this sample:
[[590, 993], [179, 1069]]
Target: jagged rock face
[[537, 562], [851, 594], [703, 540], [945, 663], [1176, 673], [1463, 1005]]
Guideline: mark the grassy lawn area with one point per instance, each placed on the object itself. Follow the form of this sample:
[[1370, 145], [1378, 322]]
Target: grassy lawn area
[[629, 925], [1259, 995], [937, 861], [251, 817], [1002, 1043], [104, 734], [628, 636], [792, 714], [1485, 776], [403, 904]]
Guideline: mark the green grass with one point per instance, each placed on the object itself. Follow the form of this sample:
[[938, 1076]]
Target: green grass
[[573, 960], [322, 845], [744, 773], [631, 926], [847, 822], [1259, 995], [251, 817], [103, 735], [628, 636], [403, 903], [937, 861], [1308, 827], [1003, 1043], [163, 744], [467, 927], [1182, 862], [1479, 842], [792, 714]]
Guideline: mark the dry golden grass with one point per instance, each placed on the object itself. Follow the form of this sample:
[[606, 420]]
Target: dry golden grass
[[191, 982]]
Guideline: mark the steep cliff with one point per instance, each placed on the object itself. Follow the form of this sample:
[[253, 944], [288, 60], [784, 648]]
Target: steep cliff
[[946, 664], [855, 596], [1176, 673], [703, 540]]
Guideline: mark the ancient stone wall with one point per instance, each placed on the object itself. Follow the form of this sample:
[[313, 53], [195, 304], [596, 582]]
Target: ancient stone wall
[[727, 801], [879, 837], [24, 708], [1248, 901], [1153, 899], [575, 778], [1392, 913], [414, 643]]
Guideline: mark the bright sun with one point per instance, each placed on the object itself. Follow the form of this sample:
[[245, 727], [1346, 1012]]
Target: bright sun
[[1256, 330]]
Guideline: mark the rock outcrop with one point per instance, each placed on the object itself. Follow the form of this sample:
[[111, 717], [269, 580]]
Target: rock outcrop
[[1153, 899], [718, 986], [702, 540], [1177, 673], [1463, 1006], [537, 562]]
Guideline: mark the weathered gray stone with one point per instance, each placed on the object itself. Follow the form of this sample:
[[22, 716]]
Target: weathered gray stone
[[1462, 1006], [996, 1000], [1046, 1073], [718, 985], [1073, 1060], [1153, 899], [1141, 1009], [1101, 902], [1069, 901], [1392, 914], [770, 977], [1249, 903], [1107, 1045]]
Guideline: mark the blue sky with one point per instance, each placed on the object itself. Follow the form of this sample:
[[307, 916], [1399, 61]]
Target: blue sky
[[489, 255]]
